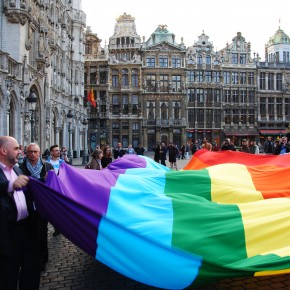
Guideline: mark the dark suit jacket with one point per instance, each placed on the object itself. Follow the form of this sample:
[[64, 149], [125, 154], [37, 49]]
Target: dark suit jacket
[[10, 241]]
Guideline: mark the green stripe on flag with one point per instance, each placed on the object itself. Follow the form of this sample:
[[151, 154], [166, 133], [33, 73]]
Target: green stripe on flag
[[207, 229]]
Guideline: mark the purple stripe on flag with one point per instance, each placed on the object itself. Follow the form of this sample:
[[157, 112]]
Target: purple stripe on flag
[[128, 161], [75, 208]]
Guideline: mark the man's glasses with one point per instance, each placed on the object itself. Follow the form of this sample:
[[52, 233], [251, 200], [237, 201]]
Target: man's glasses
[[33, 151]]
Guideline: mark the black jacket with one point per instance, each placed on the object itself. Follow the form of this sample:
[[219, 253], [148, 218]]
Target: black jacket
[[10, 237]]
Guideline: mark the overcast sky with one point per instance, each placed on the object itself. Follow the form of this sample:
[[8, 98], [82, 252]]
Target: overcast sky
[[257, 20]]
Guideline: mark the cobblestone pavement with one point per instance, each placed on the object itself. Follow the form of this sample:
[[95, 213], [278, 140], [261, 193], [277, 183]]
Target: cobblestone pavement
[[69, 268]]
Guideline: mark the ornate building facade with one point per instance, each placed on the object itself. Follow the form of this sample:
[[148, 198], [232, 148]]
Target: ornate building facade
[[158, 90], [42, 72]]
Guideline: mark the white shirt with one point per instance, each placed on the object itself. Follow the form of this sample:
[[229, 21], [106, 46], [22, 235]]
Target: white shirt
[[18, 195]]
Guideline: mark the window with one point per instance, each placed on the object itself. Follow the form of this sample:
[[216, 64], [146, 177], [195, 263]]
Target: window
[[286, 56], [163, 83], [176, 111], [103, 75], [135, 126], [164, 115], [125, 78], [135, 78], [115, 125], [200, 115], [234, 58], [242, 58], [227, 96], [236, 116], [227, 79], [243, 94], [216, 76], [151, 83], [199, 76], [208, 60], [134, 101], [251, 116], [287, 109], [250, 78], [227, 116], [279, 108], [176, 62], [115, 78], [235, 96], [163, 61], [243, 78], [103, 100], [151, 110], [252, 97], [89, 48], [199, 59], [279, 86], [262, 81], [235, 78], [191, 117], [216, 95], [270, 81], [208, 95], [125, 104], [150, 61], [208, 76], [243, 116], [217, 117], [176, 83], [271, 108], [191, 95], [190, 76], [93, 75], [263, 107], [125, 125], [200, 95], [116, 104]]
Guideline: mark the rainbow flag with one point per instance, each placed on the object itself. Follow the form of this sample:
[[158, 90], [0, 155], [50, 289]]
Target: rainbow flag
[[173, 229], [204, 158]]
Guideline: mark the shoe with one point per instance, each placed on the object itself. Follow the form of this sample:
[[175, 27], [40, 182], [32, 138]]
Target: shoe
[[55, 233]]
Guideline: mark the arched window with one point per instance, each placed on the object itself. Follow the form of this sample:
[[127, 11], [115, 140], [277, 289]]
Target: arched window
[[125, 78], [199, 59], [115, 78], [164, 115], [176, 111], [134, 78]]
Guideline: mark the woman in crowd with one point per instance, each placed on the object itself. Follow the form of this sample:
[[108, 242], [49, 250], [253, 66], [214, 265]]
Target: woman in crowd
[[96, 160], [107, 156]]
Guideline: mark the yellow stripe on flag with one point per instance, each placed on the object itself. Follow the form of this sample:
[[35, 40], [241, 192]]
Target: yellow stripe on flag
[[267, 226], [232, 183]]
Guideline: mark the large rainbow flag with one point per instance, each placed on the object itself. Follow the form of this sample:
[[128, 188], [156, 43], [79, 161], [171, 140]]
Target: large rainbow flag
[[173, 229]]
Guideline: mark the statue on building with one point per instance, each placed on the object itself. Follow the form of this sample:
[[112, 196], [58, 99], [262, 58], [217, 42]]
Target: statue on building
[[41, 45]]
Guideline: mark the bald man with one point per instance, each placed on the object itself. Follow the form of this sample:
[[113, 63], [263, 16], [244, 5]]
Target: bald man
[[19, 253]]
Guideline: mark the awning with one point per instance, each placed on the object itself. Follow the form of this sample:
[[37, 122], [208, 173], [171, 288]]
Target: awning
[[272, 132], [241, 133]]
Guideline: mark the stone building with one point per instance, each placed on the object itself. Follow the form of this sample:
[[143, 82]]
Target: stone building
[[96, 79], [273, 87], [158, 90], [42, 71], [163, 94]]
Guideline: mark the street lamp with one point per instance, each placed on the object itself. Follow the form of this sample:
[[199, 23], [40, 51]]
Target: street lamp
[[69, 115], [31, 101], [85, 154]]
